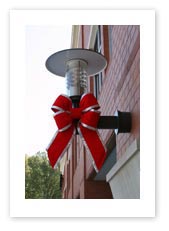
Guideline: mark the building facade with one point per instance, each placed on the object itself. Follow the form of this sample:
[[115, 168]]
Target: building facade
[[116, 88]]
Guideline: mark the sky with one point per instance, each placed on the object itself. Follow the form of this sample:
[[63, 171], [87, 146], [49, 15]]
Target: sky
[[42, 87]]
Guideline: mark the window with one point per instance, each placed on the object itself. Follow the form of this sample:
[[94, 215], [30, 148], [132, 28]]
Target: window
[[98, 79], [98, 44], [76, 151]]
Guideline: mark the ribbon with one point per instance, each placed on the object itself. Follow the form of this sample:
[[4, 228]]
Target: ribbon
[[66, 119]]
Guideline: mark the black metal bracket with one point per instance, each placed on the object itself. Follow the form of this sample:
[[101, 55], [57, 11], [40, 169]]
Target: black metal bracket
[[121, 122]]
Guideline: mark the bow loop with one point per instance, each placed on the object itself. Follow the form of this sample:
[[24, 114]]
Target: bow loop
[[88, 102], [62, 103], [63, 120]]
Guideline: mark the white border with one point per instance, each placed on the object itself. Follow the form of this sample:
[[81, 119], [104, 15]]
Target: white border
[[144, 207]]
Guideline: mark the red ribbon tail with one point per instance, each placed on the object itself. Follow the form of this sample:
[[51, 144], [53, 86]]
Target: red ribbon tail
[[59, 145], [94, 145]]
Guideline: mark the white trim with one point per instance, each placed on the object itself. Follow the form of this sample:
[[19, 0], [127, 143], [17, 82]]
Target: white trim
[[58, 112], [95, 111], [57, 108], [88, 150], [67, 146], [75, 36], [61, 111], [92, 37], [91, 107], [84, 94], [89, 127], [65, 128], [130, 152], [104, 145], [52, 140]]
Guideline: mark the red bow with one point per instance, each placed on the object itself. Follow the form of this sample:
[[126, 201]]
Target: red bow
[[66, 120]]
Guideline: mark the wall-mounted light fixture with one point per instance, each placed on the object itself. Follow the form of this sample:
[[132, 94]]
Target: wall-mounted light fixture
[[77, 111], [76, 65]]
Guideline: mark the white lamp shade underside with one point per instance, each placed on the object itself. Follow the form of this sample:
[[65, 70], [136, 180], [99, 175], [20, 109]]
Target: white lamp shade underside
[[57, 62]]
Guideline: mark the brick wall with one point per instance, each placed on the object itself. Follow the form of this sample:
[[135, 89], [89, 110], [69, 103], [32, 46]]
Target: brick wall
[[121, 86], [120, 90]]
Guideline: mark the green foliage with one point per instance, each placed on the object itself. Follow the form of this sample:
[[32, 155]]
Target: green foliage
[[41, 181]]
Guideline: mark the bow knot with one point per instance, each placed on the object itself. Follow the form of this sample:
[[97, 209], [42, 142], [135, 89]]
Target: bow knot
[[76, 113], [88, 117]]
